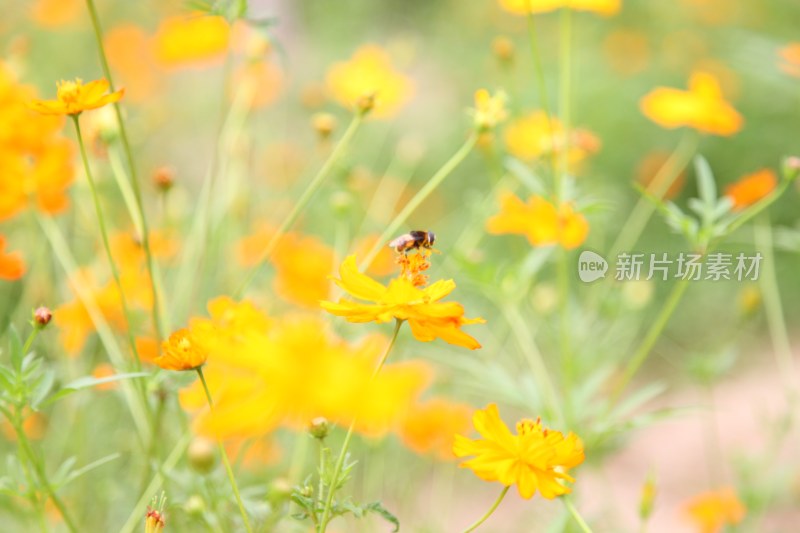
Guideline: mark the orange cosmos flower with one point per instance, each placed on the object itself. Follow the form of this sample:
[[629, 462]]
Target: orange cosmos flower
[[523, 7], [130, 54], [540, 221], [402, 300], [181, 351], [711, 510], [751, 188], [12, 266], [428, 428], [302, 265], [267, 372], [73, 98], [369, 74], [790, 59], [193, 40], [104, 370], [533, 136], [55, 13], [536, 458], [702, 107]]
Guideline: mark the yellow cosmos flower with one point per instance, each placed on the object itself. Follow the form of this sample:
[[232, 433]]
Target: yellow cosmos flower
[[428, 427], [369, 74], [711, 510], [490, 110], [403, 300], [751, 188], [534, 136], [187, 41], [540, 221], [182, 351], [536, 458], [523, 7], [73, 98], [702, 107]]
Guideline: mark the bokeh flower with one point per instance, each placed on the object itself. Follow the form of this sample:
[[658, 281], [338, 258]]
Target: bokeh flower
[[790, 59], [302, 266], [182, 351], [533, 136], [402, 300], [490, 109], [12, 266], [266, 372], [751, 188], [193, 40], [55, 13], [73, 98], [428, 427], [523, 7], [703, 107], [710, 511], [535, 459], [659, 162], [540, 221], [369, 74], [130, 55]]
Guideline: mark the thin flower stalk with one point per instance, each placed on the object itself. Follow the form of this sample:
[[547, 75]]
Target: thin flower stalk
[[225, 459], [488, 513], [104, 234], [337, 469], [576, 515], [305, 198], [412, 205], [542, 87], [134, 181]]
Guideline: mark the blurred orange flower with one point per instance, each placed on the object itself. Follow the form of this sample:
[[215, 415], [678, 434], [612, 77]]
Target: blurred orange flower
[[533, 136], [73, 98], [523, 7], [12, 266], [34, 425], [790, 59], [540, 221], [36, 161], [402, 300], [130, 54], [194, 40], [182, 351], [428, 427], [383, 264], [536, 458], [260, 81], [369, 73], [54, 13], [654, 163], [74, 321], [751, 188], [265, 372], [711, 510], [303, 265], [702, 107], [104, 370]]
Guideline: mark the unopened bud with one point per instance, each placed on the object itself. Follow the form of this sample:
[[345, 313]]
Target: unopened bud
[[324, 124], [202, 455], [648, 498], [366, 103], [42, 316], [279, 490], [791, 168], [164, 178], [319, 428], [342, 202], [307, 491], [195, 505], [503, 49]]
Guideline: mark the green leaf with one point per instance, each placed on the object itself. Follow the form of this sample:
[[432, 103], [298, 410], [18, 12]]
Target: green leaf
[[15, 344], [45, 383], [377, 508], [90, 381], [88, 468], [706, 185]]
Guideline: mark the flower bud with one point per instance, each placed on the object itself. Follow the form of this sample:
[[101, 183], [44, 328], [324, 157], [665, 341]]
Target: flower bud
[[791, 168], [365, 104], [319, 427], [324, 124], [648, 498], [503, 49], [42, 316], [202, 455], [164, 178], [279, 491], [195, 505]]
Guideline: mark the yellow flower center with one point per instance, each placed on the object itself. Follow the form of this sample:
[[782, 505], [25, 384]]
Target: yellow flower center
[[526, 426], [184, 344], [70, 91], [413, 266]]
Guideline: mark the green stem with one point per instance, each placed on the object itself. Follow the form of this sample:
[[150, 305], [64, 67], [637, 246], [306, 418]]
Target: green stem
[[773, 306], [337, 469], [123, 133], [224, 456], [488, 513], [662, 181], [29, 341], [652, 336], [301, 203], [565, 89], [104, 234], [42, 475], [542, 86], [418, 198], [576, 515]]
